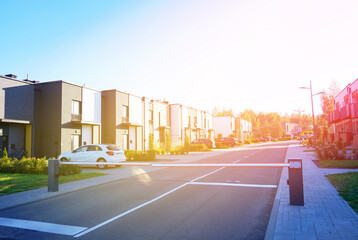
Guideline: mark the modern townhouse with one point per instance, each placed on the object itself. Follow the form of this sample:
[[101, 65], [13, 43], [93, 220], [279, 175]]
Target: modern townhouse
[[189, 122], [179, 122], [243, 129], [224, 125], [17, 125], [344, 118], [124, 120], [160, 126], [67, 116]]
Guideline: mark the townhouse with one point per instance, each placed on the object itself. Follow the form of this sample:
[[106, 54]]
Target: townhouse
[[225, 125], [243, 129], [123, 119], [191, 123], [17, 120], [50, 118], [344, 118], [67, 116]]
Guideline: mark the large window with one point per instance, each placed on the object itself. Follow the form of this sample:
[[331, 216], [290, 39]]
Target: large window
[[76, 110], [75, 107]]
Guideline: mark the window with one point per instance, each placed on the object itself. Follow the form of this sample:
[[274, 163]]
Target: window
[[75, 107], [81, 149], [125, 111], [93, 148]]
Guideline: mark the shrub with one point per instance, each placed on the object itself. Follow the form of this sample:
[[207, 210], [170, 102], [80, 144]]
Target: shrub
[[132, 155], [255, 140], [33, 166], [247, 141], [220, 145], [199, 148]]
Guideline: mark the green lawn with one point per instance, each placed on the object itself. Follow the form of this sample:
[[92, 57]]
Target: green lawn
[[347, 186], [338, 163], [14, 182]]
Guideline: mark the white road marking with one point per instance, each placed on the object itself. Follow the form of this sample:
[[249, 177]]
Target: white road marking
[[217, 170], [127, 212], [41, 226], [233, 184], [140, 206]]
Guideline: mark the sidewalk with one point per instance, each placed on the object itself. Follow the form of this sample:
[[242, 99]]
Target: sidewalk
[[325, 214]]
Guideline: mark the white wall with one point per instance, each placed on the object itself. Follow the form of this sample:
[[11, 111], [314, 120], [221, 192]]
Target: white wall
[[135, 110], [146, 123], [185, 121], [91, 105], [175, 124], [223, 125]]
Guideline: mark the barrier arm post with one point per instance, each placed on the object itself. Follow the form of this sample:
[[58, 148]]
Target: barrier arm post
[[295, 181], [53, 174]]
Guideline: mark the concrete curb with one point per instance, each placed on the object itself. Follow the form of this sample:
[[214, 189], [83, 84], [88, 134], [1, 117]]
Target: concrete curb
[[274, 212]]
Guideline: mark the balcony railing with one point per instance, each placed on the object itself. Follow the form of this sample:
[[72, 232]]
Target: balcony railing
[[345, 112], [336, 115], [354, 110], [76, 117]]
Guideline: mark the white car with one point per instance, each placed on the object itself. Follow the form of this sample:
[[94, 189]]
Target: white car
[[95, 153]]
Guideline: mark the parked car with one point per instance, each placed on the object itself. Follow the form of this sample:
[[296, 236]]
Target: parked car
[[228, 141], [208, 142], [95, 153]]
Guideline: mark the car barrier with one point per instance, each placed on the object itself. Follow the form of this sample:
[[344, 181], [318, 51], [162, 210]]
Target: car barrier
[[294, 173]]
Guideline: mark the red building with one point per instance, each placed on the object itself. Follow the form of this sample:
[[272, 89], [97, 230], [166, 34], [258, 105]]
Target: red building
[[344, 118]]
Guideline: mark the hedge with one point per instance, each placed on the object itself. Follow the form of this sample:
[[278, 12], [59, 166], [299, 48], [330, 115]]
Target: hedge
[[33, 166], [132, 155], [199, 148]]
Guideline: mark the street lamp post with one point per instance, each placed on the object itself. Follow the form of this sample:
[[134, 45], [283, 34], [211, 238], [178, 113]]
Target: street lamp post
[[314, 128]]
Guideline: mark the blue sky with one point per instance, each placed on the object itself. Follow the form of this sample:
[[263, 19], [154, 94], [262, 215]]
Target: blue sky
[[204, 54]]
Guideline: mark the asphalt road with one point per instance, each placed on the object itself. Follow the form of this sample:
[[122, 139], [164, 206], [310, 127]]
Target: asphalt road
[[170, 203]]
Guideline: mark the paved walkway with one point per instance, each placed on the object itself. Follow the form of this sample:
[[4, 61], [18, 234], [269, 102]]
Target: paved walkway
[[325, 215]]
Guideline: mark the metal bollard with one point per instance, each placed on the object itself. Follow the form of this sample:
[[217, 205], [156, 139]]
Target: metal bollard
[[295, 182], [53, 174]]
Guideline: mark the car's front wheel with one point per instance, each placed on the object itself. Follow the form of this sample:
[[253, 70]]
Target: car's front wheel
[[101, 166]]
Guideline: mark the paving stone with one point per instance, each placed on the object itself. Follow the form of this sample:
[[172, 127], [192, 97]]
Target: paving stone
[[325, 216]]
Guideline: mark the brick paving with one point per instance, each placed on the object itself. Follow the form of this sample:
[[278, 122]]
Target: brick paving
[[325, 214]]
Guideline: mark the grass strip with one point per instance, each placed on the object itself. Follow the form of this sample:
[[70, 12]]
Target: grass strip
[[346, 185], [15, 182], [338, 163]]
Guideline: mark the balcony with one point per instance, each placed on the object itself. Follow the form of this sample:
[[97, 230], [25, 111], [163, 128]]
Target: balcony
[[125, 119], [345, 113], [76, 117], [336, 115], [354, 110]]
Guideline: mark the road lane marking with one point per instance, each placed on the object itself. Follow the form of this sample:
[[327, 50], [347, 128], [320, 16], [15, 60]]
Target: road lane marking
[[217, 170], [143, 205], [233, 184], [127, 212], [41, 226]]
